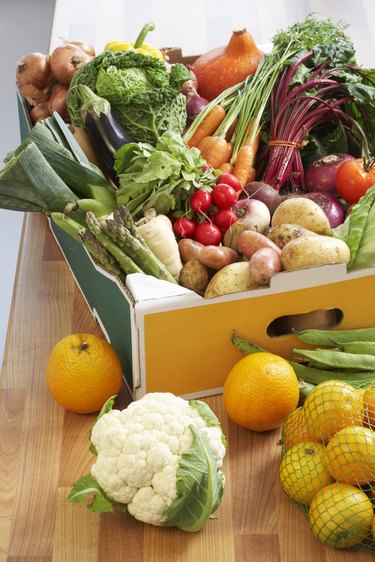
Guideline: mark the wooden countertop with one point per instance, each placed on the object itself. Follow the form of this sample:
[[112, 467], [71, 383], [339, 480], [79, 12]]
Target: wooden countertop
[[44, 449]]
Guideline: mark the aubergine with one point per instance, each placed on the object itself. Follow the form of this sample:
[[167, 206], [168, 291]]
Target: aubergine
[[104, 129]]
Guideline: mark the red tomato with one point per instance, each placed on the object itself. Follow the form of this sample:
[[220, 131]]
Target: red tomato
[[352, 180], [200, 201], [184, 227], [207, 234], [224, 196]]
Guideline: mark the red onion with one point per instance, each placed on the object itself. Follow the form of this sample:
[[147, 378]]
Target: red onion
[[33, 69], [321, 174], [194, 104], [331, 206], [65, 60], [189, 84], [57, 100]]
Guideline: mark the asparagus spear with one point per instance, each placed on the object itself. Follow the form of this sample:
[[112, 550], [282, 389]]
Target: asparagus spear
[[90, 242], [133, 246], [126, 262]]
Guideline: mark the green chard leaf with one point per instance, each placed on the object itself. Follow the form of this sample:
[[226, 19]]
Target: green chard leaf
[[200, 486]]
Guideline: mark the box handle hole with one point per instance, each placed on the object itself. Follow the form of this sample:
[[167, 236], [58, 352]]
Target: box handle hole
[[317, 319]]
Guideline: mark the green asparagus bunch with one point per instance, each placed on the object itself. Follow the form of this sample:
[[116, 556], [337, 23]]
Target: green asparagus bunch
[[114, 243]]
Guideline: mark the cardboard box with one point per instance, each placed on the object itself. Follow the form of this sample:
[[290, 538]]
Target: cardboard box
[[171, 339]]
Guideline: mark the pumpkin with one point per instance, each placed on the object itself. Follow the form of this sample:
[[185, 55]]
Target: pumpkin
[[222, 67]]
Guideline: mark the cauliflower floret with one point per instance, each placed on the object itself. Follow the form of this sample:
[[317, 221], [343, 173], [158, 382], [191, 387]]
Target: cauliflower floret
[[215, 441], [148, 506], [106, 474], [164, 482]]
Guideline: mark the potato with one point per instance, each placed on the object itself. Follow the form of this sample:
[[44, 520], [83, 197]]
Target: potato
[[194, 276], [284, 233], [250, 242], [217, 257], [308, 251], [189, 249], [302, 211], [263, 265], [230, 239], [231, 279]]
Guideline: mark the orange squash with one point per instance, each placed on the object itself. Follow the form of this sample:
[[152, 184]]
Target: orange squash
[[222, 67]]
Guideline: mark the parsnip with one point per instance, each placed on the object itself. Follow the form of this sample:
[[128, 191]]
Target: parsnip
[[157, 232]]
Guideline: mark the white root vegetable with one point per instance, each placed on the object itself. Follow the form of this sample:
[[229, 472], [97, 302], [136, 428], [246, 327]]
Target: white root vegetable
[[314, 251], [284, 233], [263, 265], [254, 211], [232, 278], [302, 211], [158, 234]]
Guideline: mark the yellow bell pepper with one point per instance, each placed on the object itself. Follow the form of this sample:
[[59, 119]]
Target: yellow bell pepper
[[138, 45]]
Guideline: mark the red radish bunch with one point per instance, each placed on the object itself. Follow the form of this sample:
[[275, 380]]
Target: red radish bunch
[[212, 212]]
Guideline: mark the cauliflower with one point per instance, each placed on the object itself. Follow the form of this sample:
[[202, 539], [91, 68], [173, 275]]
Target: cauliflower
[[160, 459]]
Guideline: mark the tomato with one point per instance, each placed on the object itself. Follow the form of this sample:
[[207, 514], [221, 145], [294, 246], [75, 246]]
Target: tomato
[[207, 234], [230, 179], [353, 180], [200, 201], [224, 218], [183, 227], [224, 196]]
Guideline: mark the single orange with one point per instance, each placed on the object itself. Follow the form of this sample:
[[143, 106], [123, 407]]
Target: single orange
[[340, 515], [331, 406], [369, 406], [303, 471], [294, 429], [261, 391], [351, 455], [83, 371]]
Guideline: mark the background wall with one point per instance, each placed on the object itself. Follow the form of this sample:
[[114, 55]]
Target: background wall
[[25, 26]]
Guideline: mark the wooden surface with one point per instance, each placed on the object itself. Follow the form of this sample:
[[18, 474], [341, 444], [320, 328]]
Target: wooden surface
[[44, 449]]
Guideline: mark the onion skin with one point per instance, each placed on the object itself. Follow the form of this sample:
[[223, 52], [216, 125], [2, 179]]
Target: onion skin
[[57, 101], [40, 112], [65, 60], [33, 95], [321, 174], [86, 47], [194, 104], [330, 205], [33, 69]]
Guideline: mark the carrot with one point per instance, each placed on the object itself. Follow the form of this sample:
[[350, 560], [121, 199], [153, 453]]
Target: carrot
[[229, 153], [215, 151], [231, 129], [244, 163], [252, 175], [208, 126], [201, 146], [226, 167]]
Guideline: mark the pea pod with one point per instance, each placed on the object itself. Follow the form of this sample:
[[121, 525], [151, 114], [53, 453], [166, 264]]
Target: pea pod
[[333, 359], [336, 337]]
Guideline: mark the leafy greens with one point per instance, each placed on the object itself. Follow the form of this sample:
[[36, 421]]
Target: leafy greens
[[145, 97]]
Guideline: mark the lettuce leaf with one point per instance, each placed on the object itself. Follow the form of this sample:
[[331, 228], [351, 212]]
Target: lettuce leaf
[[358, 231]]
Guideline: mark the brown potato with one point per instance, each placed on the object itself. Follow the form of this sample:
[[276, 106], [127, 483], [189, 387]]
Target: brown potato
[[313, 251], [232, 278], [189, 249], [230, 239], [217, 257], [194, 276], [284, 233], [302, 211]]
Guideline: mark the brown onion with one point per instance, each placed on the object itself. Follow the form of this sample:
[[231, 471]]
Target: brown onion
[[33, 69], [40, 112], [32, 94], [65, 60], [57, 100], [89, 49]]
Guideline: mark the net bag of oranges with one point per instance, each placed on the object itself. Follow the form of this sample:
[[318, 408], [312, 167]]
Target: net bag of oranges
[[328, 463]]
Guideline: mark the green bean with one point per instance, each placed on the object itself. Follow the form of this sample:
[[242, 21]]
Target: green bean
[[366, 347], [338, 359], [335, 337]]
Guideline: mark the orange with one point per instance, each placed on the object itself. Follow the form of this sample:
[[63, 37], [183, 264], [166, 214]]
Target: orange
[[294, 429], [369, 406], [303, 471], [83, 371], [351, 455], [261, 391], [340, 515], [331, 406]]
